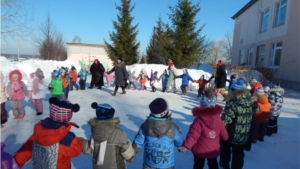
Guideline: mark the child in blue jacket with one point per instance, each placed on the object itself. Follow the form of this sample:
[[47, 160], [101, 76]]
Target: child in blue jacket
[[82, 74], [185, 80], [164, 79], [159, 136]]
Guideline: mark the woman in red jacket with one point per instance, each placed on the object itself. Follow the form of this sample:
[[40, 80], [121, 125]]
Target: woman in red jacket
[[52, 144], [203, 138]]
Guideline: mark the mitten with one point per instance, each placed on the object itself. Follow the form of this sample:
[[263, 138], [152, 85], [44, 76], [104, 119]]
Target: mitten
[[182, 149]]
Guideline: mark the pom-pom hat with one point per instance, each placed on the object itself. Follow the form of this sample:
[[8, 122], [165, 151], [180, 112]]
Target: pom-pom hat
[[159, 108], [103, 111], [62, 111], [239, 84]]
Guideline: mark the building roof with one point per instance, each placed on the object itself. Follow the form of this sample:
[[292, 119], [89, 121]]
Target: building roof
[[248, 5], [85, 44]]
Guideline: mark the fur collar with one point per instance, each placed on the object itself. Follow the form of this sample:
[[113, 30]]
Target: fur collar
[[235, 93], [202, 111], [112, 123], [278, 89]]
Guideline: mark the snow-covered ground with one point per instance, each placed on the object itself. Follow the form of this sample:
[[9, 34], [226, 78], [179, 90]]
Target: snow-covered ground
[[282, 150]]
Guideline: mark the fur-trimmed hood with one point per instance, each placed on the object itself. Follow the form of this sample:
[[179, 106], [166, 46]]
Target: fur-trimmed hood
[[236, 93], [16, 71], [278, 89], [208, 115], [101, 130]]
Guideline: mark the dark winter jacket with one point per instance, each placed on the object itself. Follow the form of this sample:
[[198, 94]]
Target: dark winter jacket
[[117, 144], [159, 138], [205, 132], [276, 99], [97, 71], [51, 145], [221, 76], [120, 73], [237, 115]]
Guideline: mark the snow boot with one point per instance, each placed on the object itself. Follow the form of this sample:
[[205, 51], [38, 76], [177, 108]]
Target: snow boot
[[39, 113], [124, 92], [154, 90], [115, 92]]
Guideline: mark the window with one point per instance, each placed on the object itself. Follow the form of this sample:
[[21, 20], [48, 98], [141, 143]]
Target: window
[[280, 13], [264, 20], [242, 58], [275, 54], [260, 55], [250, 54]]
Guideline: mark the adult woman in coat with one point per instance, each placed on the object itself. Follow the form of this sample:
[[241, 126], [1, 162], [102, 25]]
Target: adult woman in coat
[[120, 75], [97, 70]]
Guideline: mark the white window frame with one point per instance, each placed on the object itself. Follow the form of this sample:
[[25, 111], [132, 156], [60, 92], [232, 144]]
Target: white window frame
[[275, 48], [249, 57], [260, 56], [242, 57], [264, 25], [280, 13]]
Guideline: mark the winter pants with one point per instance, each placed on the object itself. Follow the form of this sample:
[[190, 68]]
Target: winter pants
[[200, 92], [108, 84], [259, 130], [164, 86], [65, 94], [145, 166], [220, 90], [117, 87], [17, 107], [59, 97], [3, 113], [131, 83], [272, 127], [37, 104], [183, 89], [82, 84], [73, 84], [237, 151], [199, 163], [143, 86]]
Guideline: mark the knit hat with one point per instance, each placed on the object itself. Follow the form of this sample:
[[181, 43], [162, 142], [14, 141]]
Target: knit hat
[[276, 85], [62, 111], [62, 70], [119, 58], [103, 111], [39, 73], [209, 99], [266, 88], [259, 91], [239, 84], [55, 73], [233, 76], [253, 81], [159, 108], [73, 68]]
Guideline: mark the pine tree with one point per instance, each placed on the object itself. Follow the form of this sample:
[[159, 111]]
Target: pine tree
[[156, 51], [124, 43], [186, 38], [143, 60]]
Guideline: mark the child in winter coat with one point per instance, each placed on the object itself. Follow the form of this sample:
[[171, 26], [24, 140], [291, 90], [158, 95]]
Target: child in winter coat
[[153, 78], [203, 138], [7, 160], [73, 80], [52, 144], [56, 85], [142, 78], [109, 144], [131, 78], [3, 98], [202, 82], [17, 92], [254, 85], [37, 90], [276, 99], [109, 77], [185, 80], [158, 134], [164, 79], [262, 116], [231, 81], [82, 74], [65, 84]]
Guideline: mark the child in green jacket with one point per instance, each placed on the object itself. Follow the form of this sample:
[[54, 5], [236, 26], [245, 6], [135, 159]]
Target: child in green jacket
[[56, 85]]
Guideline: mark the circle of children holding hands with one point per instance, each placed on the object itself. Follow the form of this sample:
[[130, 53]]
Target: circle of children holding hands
[[247, 117]]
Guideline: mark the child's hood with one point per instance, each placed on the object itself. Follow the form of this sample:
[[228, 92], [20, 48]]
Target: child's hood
[[208, 115], [102, 129], [158, 128], [15, 72]]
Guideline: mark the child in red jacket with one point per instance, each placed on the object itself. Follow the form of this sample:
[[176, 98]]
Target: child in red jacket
[[202, 82], [74, 76], [205, 132]]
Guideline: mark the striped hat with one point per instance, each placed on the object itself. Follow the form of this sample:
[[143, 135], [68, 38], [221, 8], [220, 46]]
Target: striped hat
[[62, 111]]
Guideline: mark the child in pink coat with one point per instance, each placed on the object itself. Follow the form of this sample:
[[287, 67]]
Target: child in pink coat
[[7, 160], [205, 132], [109, 77], [3, 98], [17, 92]]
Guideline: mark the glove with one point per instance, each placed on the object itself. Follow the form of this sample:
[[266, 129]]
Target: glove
[[50, 87], [182, 149]]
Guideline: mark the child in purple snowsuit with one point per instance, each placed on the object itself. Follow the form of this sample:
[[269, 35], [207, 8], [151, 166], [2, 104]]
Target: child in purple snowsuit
[[153, 78], [7, 160]]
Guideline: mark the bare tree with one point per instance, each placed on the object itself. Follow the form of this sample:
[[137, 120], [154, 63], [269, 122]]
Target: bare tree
[[76, 39], [16, 19], [215, 51], [227, 46], [50, 42]]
